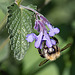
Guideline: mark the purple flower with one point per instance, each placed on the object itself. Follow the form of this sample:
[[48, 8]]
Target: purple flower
[[53, 30], [44, 34], [40, 38]]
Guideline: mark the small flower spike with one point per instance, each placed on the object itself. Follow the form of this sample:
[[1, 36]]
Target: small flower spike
[[44, 35]]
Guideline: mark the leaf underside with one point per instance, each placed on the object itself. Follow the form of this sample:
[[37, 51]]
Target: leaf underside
[[19, 24]]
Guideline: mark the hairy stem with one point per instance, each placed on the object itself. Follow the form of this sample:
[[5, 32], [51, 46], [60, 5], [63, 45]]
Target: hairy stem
[[21, 6], [18, 2]]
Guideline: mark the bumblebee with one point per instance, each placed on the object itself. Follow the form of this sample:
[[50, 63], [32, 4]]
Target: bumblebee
[[51, 53]]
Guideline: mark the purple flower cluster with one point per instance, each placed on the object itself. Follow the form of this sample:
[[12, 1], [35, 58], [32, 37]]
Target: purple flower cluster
[[44, 35]]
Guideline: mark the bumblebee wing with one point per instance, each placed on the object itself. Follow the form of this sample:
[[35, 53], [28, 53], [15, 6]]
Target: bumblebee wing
[[68, 45], [43, 62]]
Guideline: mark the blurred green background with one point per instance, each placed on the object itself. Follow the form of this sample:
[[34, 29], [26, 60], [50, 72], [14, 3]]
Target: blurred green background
[[61, 14]]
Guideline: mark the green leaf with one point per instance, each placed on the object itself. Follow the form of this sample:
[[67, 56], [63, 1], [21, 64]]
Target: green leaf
[[38, 3], [19, 25], [4, 4]]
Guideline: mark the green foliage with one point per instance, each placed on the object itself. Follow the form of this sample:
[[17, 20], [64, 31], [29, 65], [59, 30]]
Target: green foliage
[[19, 25], [4, 49], [2, 15], [39, 3], [60, 13], [4, 4]]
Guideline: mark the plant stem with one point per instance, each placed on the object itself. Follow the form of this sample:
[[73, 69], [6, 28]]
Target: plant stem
[[21, 6], [18, 2]]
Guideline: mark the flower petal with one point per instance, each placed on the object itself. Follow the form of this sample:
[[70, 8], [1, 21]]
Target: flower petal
[[31, 37], [47, 38], [49, 26], [53, 42], [48, 43], [42, 25], [46, 22], [40, 46], [39, 40], [51, 33], [36, 25], [56, 30]]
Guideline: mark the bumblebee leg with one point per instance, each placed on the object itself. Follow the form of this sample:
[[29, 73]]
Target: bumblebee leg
[[55, 40], [41, 54], [68, 45], [44, 45], [43, 62], [55, 47]]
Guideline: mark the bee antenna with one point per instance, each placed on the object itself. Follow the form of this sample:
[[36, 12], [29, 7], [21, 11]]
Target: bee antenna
[[68, 45]]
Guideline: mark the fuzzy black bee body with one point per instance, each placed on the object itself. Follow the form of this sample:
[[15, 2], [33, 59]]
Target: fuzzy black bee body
[[51, 53]]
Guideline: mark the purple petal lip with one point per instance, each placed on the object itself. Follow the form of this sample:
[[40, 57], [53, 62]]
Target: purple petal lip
[[53, 42], [31, 37], [54, 31], [39, 40], [51, 33]]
